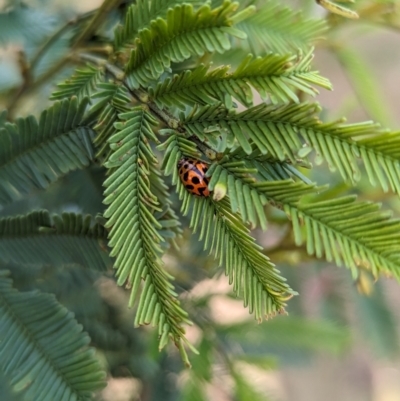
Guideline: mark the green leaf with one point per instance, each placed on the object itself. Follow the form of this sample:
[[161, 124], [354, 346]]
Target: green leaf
[[272, 129], [253, 276], [140, 15], [6, 390], [82, 84], [111, 100], [283, 130], [275, 77], [247, 185], [44, 352], [166, 217], [348, 232], [134, 230], [341, 230], [275, 28], [184, 33], [39, 238], [34, 154]]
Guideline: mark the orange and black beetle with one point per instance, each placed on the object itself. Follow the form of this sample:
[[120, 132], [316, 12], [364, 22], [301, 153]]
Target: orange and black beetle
[[192, 173]]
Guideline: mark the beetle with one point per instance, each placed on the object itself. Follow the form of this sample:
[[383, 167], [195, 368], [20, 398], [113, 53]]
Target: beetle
[[192, 173]]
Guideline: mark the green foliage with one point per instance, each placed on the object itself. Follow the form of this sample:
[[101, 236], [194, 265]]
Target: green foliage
[[275, 77], [82, 84], [134, 235], [39, 238], [145, 95], [280, 29], [139, 16], [278, 130], [363, 235], [33, 154], [111, 99], [39, 338], [184, 33]]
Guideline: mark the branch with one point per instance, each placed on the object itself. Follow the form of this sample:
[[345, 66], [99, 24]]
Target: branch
[[97, 20], [26, 68], [141, 96]]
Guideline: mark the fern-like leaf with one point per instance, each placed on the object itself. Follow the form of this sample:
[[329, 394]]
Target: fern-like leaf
[[170, 225], [34, 154], [280, 29], [253, 276], [39, 238], [111, 100], [82, 84], [184, 33], [44, 354], [248, 195], [134, 230], [140, 15], [342, 230], [341, 145], [281, 131], [275, 77], [273, 129], [349, 233]]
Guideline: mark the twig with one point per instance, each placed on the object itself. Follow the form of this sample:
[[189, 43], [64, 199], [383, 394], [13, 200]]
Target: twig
[[96, 21], [26, 81], [26, 69], [143, 98], [50, 41], [28, 88]]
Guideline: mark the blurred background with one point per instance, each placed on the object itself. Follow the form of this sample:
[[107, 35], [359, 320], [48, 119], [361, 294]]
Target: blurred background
[[340, 340]]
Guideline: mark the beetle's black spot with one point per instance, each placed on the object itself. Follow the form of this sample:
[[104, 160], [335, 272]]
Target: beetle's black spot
[[189, 187], [186, 165], [186, 176], [206, 180], [195, 180], [205, 169], [201, 190]]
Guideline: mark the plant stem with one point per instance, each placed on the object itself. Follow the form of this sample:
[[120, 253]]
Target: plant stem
[[50, 41], [138, 94], [27, 69], [26, 88], [96, 21]]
